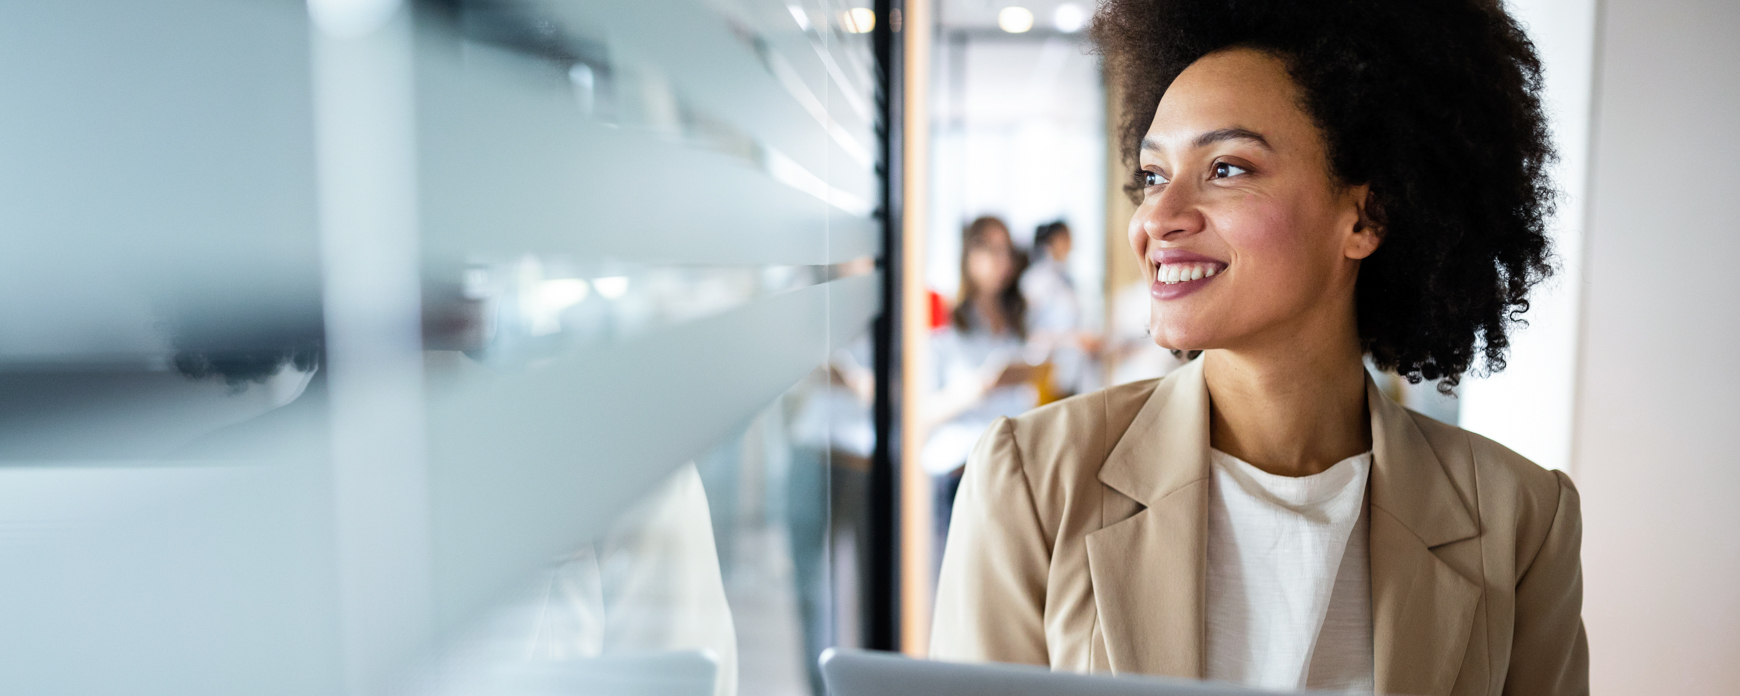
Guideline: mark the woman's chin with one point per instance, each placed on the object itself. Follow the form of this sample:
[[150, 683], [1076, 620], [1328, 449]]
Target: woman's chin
[[1173, 338], [1171, 341]]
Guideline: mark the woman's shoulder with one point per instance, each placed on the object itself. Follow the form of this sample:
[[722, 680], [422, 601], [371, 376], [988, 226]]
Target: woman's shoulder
[[1070, 439], [1502, 482], [1053, 454], [1107, 411]]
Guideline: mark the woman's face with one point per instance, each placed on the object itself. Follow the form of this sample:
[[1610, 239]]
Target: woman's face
[[1059, 246], [1245, 236], [991, 261]]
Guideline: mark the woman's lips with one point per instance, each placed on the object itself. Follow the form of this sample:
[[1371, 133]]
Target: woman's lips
[[1178, 273]]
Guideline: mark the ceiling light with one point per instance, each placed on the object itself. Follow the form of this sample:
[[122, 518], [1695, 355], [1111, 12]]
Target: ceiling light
[[858, 20], [1015, 20], [611, 287], [1069, 18], [562, 292]]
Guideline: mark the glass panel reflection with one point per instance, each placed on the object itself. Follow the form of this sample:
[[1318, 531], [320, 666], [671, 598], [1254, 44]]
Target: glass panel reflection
[[730, 576], [445, 348]]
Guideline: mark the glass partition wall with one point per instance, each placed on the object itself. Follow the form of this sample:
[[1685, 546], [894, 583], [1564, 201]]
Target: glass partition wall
[[463, 346], [1013, 176]]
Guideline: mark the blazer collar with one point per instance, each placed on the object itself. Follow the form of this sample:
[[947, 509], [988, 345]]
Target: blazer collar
[[1422, 608], [1166, 449], [1166, 446], [1408, 480], [1149, 571]]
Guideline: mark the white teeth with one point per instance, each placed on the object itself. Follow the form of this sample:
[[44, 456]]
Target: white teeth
[[1170, 273]]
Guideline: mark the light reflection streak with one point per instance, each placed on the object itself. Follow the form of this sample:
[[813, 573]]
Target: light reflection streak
[[798, 15], [788, 77], [848, 92], [644, 97], [787, 171], [533, 308]]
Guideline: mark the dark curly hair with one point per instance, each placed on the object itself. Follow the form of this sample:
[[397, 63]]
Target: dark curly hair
[[245, 336], [1435, 104]]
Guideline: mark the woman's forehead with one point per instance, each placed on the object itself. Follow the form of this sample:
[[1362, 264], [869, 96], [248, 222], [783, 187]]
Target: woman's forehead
[[991, 234], [1241, 91]]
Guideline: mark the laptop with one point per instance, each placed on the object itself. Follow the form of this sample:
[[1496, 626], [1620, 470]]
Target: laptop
[[865, 673]]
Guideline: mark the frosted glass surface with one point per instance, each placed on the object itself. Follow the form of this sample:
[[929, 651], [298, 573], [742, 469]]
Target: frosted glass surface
[[326, 354], [520, 462]]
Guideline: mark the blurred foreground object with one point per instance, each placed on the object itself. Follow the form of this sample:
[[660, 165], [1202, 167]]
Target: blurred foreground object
[[330, 325]]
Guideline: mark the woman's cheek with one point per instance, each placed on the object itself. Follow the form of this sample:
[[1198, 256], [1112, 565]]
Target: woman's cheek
[[1259, 227], [1265, 243], [1278, 265]]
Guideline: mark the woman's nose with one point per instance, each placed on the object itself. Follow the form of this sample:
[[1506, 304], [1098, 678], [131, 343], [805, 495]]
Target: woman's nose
[[1183, 212], [1170, 215]]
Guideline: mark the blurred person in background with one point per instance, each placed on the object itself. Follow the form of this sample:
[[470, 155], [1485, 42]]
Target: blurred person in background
[[651, 584], [1317, 182], [1054, 319], [979, 370]]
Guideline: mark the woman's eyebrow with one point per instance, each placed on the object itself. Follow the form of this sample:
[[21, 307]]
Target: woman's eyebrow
[[1215, 136], [1224, 134]]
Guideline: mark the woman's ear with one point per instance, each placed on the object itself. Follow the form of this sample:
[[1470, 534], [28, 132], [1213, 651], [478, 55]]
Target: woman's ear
[[1368, 233]]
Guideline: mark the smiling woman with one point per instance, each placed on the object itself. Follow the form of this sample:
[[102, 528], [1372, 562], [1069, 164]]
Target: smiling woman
[[1233, 181], [1318, 183], [1433, 105]]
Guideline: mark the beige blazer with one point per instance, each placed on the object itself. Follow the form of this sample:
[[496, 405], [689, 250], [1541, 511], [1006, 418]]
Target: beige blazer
[[1079, 541]]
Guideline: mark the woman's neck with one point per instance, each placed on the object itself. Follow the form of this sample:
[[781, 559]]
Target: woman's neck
[[1291, 411]]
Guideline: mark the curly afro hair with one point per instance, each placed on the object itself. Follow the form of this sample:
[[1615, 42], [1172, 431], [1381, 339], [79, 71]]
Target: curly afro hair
[[1435, 104]]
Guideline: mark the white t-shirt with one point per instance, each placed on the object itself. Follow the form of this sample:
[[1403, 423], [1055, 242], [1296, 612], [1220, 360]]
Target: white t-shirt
[[1289, 583]]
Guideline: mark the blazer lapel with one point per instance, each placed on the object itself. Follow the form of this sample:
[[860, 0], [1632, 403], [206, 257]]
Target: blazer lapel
[[1422, 609], [1149, 570]]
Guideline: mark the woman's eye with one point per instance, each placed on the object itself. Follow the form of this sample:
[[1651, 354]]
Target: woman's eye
[[1149, 178], [1223, 170]]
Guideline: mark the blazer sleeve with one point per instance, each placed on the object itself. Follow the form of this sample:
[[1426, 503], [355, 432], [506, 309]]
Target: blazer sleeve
[[990, 598], [1549, 650]]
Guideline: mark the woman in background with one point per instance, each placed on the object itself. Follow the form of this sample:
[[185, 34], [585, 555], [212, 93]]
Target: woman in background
[[1047, 285], [1055, 318], [977, 367]]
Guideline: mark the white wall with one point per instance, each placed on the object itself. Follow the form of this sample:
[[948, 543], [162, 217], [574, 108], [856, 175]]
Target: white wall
[[1657, 402], [1528, 407]]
